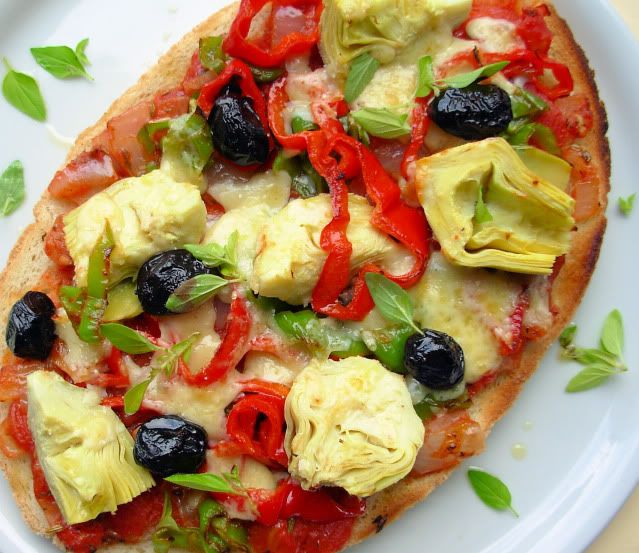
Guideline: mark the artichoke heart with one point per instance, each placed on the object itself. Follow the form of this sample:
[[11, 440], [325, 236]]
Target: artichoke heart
[[147, 215], [351, 424], [380, 27], [525, 220], [84, 449]]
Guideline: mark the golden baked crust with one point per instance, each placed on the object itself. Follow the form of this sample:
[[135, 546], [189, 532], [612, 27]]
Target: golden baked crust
[[28, 261]]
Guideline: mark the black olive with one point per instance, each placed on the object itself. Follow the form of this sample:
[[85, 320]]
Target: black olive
[[238, 133], [434, 359], [169, 445], [160, 276], [473, 113], [31, 330]]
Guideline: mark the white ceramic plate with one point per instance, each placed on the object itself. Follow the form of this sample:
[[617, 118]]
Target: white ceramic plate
[[583, 450]]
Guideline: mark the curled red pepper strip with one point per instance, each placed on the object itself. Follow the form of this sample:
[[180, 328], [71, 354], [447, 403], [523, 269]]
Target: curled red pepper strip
[[233, 347], [290, 500], [263, 53], [421, 124], [277, 100], [518, 336], [256, 425]]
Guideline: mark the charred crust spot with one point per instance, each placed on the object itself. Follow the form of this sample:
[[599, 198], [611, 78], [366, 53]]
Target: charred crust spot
[[380, 521], [595, 247]]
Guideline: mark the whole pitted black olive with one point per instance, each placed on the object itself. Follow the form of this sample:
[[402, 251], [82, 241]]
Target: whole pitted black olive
[[160, 276], [238, 133], [169, 445], [434, 359], [473, 113], [31, 330]]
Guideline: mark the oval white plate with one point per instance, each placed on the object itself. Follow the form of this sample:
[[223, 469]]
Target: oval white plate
[[583, 449]]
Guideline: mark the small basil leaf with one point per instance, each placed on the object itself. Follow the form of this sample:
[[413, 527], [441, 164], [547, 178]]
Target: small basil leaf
[[626, 204], [205, 482], [482, 215], [195, 292], [591, 377], [134, 397], [361, 73], [612, 334], [567, 337], [491, 490], [391, 299], [167, 360], [23, 93], [588, 356], [11, 188], [212, 255], [60, 61], [426, 77], [80, 50], [466, 79], [126, 339], [382, 122]]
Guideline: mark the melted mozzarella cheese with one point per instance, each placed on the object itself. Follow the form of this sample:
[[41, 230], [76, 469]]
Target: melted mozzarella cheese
[[268, 189], [263, 366], [494, 35], [80, 359]]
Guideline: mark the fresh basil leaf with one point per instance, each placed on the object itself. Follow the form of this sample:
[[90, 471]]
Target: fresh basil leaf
[[23, 93], [167, 360], [211, 54], [612, 338], [12, 190], [482, 215], [263, 75], [426, 77], [61, 61], [134, 397], [188, 146], [491, 490], [229, 269], [80, 51], [382, 122], [126, 339], [195, 292], [567, 337], [391, 299], [588, 356], [591, 377], [212, 255], [207, 482], [626, 204], [299, 124], [466, 79], [361, 73]]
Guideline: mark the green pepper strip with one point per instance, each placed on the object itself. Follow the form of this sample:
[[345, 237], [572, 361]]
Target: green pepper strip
[[389, 346]]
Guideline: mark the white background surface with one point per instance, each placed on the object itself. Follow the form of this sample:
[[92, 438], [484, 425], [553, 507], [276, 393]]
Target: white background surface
[[583, 450]]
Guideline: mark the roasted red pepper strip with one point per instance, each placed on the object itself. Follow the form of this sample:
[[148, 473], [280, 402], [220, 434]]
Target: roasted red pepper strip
[[277, 100], [255, 424], [264, 52], [518, 336], [290, 500], [233, 347], [235, 68], [421, 124]]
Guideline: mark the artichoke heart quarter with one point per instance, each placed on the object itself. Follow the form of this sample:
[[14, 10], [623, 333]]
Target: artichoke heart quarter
[[85, 451], [524, 223], [351, 424]]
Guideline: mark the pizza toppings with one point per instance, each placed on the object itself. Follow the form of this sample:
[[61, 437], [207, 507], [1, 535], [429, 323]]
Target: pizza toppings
[[527, 220], [85, 451], [351, 424], [472, 113], [169, 445], [30, 330], [435, 360]]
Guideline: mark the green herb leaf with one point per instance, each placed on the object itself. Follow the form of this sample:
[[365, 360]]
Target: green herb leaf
[[589, 356], [208, 482], [211, 54], [167, 360], [626, 204], [229, 269], [61, 61], [591, 377], [80, 50], [482, 215], [567, 337], [195, 292], [612, 334], [426, 77], [382, 122], [491, 490], [466, 79], [134, 397], [126, 339], [391, 299], [212, 255], [23, 93], [361, 73], [12, 190], [299, 124]]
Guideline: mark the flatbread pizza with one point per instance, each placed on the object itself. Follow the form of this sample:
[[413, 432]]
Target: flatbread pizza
[[294, 275]]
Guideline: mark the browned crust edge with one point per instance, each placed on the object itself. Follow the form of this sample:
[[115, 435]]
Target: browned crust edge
[[27, 261]]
